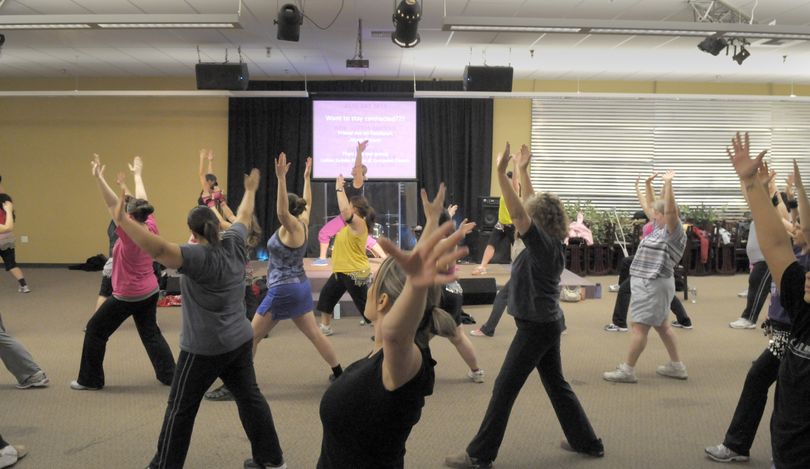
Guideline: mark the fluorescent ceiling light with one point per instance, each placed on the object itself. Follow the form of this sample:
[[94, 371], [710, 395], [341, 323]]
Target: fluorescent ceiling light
[[628, 27], [134, 21], [47, 26], [154, 94]]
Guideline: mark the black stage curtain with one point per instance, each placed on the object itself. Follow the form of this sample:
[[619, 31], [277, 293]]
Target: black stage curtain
[[454, 140]]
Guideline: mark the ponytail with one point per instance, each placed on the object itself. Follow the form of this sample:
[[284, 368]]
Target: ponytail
[[204, 224], [436, 321]]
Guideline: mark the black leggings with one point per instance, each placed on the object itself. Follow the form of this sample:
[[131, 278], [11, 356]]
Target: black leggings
[[759, 286], [338, 284]]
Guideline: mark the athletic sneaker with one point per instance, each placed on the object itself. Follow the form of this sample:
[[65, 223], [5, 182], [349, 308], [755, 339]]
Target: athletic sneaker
[[742, 323], [465, 461], [479, 333], [251, 464], [219, 394], [326, 330], [614, 328], [37, 380], [80, 387], [363, 322], [476, 376], [721, 453], [10, 454], [682, 326], [670, 370], [319, 262], [742, 294], [24, 289], [597, 452], [622, 374], [614, 288]]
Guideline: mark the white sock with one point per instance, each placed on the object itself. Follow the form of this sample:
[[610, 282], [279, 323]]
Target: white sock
[[678, 365]]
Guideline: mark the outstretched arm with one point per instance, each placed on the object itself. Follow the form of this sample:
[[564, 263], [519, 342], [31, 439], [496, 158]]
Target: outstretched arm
[[801, 198], [110, 199], [519, 216], [163, 251], [522, 168], [402, 358], [358, 157], [8, 207], [282, 205], [137, 172], [304, 217], [223, 223], [671, 215], [773, 241], [121, 181], [244, 214], [203, 156]]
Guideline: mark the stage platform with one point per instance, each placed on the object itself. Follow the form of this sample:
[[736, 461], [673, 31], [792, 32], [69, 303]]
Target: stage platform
[[500, 272]]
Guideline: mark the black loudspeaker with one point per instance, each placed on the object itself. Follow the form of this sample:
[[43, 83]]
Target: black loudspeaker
[[485, 78], [488, 210], [478, 291], [222, 76]]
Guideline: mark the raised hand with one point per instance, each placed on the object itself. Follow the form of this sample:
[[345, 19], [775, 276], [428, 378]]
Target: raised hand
[[452, 209], [741, 158], [668, 176], [507, 150], [503, 162], [8, 206], [433, 209], [339, 182], [210, 155], [652, 178], [361, 146], [203, 152], [524, 157], [252, 180], [281, 165], [308, 168], [466, 227], [97, 168], [120, 179], [421, 264], [797, 177], [137, 166]]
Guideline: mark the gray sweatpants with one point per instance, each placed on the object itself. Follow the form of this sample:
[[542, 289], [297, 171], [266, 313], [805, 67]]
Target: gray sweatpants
[[16, 358]]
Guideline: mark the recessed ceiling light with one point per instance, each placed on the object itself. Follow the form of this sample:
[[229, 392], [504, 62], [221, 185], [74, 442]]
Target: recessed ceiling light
[[46, 26], [163, 25]]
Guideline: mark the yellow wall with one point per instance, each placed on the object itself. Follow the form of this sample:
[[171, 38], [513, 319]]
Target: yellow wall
[[46, 145], [512, 117]]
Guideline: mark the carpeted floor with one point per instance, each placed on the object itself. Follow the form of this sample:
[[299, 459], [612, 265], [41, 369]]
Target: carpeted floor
[[658, 422]]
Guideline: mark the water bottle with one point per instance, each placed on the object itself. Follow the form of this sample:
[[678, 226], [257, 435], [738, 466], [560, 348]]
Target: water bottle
[[336, 311], [693, 294]]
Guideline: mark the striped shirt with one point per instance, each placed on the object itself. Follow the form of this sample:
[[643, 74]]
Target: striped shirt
[[659, 253]]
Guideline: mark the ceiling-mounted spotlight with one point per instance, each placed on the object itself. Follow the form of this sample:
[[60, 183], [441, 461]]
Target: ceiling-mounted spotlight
[[740, 56], [289, 23], [406, 19], [713, 45]]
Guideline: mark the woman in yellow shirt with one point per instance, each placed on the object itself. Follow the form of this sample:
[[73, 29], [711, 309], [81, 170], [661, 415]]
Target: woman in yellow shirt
[[350, 268]]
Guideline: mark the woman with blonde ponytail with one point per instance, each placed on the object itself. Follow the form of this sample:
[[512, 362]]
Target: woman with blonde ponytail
[[369, 411]]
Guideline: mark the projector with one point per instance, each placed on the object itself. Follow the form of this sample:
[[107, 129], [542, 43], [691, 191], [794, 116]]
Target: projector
[[356, 63]]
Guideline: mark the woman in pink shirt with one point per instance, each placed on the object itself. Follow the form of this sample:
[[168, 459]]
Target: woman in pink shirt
[[135, 292]]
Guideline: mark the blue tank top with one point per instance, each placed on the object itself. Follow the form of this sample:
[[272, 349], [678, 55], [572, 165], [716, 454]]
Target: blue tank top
[[286, 265]]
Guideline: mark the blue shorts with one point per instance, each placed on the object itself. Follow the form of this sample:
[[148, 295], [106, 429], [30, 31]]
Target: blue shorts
[[287, 301]]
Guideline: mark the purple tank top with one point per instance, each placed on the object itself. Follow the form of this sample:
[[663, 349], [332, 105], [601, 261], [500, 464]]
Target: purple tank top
[[286, 265], [775, 310]]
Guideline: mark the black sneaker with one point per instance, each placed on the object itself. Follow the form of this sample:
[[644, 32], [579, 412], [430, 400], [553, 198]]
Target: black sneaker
[[596, 452], [251, 464], [687, 325]]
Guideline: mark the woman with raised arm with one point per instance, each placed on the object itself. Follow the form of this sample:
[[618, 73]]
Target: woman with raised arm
[[289, 292], [534, 301], [652, 286], [135, 290], [350, 268], [790, 423], [211, 194], [368, 412], [216, 339], [7, 251]]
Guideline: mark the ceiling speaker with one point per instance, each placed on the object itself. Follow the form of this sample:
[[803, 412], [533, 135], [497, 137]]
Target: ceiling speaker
[[483, 78], [214, 76]]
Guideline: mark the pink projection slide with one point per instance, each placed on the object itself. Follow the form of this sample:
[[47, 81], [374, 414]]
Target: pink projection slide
[[389, 127]]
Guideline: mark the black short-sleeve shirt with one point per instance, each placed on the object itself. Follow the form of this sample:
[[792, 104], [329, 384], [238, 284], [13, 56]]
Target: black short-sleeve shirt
[[534, 294], [792, 299]]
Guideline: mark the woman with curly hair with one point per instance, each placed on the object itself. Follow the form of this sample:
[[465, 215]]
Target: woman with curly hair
[[534, 301]]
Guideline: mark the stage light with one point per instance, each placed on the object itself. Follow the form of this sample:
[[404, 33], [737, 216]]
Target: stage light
[[713, 45], [289, 23], [740, 56], [406, 20]]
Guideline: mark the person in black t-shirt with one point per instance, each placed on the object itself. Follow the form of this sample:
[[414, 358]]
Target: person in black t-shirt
[[534, 302], [369, 411], [790, 423]]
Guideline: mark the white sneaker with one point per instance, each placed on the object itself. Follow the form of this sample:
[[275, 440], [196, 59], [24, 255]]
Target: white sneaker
[[622, 374], [721, 453], [10, 454], [326, 330], [742, 294], [670, 370], [24, 289], [476, 376], [614, 288], [80, 387], [742, 323]]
